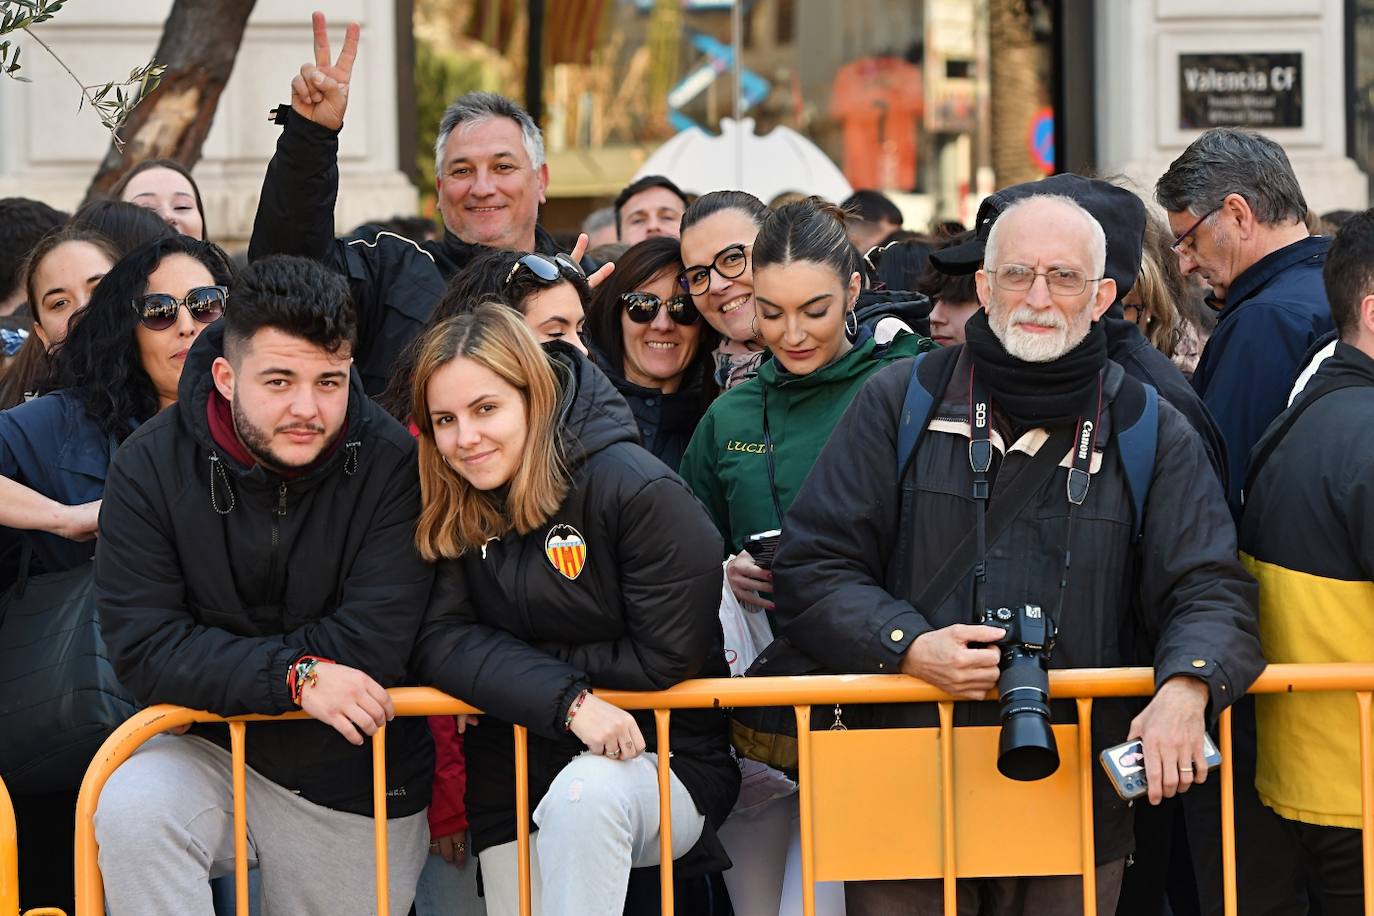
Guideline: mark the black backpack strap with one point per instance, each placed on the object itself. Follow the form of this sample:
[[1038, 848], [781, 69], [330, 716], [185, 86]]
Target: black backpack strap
[[921, 402], [1135, 411]]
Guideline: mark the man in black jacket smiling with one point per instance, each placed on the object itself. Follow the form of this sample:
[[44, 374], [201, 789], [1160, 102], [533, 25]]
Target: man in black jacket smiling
[[256, 556], [856, 559]]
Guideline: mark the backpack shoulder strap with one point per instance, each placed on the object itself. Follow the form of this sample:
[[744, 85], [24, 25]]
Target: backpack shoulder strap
[[919, 405], [1138, 440]]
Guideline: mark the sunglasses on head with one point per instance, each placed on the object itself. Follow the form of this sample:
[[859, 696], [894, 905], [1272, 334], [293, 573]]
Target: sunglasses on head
[[642, 308], [544, 267], [158, 311]]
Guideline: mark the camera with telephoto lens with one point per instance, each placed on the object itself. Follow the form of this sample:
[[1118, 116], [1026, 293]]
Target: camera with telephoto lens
[[1027, 750]]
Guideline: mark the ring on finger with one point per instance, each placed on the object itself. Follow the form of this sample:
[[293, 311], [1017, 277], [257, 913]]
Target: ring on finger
[[1187, 769]]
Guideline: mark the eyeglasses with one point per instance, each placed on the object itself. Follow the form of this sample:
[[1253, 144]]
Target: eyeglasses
[[1178, 243], [729, 263], [545, 268], [642, 308], [158, 311], [1060, 281]]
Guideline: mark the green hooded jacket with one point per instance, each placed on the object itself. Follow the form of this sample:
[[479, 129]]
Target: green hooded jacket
[[725, 463]]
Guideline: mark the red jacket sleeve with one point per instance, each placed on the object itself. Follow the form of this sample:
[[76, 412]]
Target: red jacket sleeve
[[447, 813]]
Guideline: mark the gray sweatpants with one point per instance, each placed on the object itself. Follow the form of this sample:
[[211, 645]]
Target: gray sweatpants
[[165, 825]]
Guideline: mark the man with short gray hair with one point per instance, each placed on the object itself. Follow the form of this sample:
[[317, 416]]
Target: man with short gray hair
[[1239, 215], [1020, 447], [490, 179]]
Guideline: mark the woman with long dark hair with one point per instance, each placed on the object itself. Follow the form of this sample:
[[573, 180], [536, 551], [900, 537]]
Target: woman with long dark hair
[[119, 365], [554, 535], [648, 337]]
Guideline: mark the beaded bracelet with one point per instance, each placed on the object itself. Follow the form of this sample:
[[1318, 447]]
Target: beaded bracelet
[[572, 711], [302, 674]]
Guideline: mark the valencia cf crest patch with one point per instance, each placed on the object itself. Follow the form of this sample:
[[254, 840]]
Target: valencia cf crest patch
[[566, 550]]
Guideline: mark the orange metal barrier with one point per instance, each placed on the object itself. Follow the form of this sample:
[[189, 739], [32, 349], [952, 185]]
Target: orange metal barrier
[[820, 754]]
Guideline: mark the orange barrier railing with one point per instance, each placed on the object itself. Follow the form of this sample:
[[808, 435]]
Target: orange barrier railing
[[9, 863], [953, 853]]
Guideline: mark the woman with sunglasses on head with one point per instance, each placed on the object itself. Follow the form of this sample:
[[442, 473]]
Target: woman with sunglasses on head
[[568, 557], [648, 337], [118, 366], [749, 457], [549, 291], [718, 233]]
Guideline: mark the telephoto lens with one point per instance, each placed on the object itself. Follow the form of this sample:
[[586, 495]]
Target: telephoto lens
[[1027, 750]]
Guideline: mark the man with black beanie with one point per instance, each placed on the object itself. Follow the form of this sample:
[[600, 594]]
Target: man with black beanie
[[1154, 571]]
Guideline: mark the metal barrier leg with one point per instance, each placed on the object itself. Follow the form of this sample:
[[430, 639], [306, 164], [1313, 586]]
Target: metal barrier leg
[[1228, 818], [9, 856], [238, 774], [1085, 805], [522, 816], [379, 822], [1366, 801], [951, 869], [665, 813], [808, 811]]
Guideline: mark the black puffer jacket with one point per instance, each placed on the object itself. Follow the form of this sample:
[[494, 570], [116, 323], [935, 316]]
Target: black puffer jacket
[[665, 421], [510, 633], [212, 578], [854, 558], [395, 282]]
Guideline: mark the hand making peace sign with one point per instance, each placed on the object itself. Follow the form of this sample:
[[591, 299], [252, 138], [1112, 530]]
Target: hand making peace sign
[[319, 92]]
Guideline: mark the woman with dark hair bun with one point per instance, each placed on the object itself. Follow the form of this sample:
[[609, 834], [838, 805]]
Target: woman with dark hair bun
[[749, 457], [119, 365], [646, 334]]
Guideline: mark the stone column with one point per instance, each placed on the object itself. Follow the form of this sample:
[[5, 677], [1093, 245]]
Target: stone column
[[1167, 69], [50, 151]]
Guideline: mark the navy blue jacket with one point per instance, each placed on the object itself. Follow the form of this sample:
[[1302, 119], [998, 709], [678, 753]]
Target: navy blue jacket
[[50, 445], [1274, 311]]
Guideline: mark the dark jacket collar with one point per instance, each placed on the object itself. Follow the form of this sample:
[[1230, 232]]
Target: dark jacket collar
[[1348, 364], [1257, 275], [453, 254]]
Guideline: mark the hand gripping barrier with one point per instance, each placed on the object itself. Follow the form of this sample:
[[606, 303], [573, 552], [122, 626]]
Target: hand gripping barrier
[[945, 847]]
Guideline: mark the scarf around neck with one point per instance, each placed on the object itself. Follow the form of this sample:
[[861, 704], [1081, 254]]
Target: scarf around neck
[[1035, 395]]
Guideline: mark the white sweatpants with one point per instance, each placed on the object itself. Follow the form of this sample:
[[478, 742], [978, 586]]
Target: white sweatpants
[[598, 820], [764, 842]]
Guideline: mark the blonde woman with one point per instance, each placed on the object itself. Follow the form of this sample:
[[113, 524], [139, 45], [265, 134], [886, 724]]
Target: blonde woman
[[1164, 304], [569, 557]]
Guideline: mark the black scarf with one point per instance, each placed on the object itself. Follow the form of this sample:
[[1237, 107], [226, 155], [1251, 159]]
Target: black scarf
[[1036, 394]]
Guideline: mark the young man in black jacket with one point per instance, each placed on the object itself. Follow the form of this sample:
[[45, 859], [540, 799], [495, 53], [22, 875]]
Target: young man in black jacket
[[1308, 537], [1034, 370], [256, 556]]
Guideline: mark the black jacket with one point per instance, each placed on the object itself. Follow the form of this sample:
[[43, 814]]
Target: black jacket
[[665, 421], [395, 282], [510, 633], [1143, 362], [212, 578], [854, 557]]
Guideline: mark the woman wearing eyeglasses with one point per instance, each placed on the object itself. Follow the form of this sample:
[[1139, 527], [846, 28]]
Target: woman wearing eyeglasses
[[648, 337], [568, 558], [718, 233], [118, 366], [749, 457]]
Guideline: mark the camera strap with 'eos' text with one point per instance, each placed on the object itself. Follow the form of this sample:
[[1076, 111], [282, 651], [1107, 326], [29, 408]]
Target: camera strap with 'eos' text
[[1081, 438]]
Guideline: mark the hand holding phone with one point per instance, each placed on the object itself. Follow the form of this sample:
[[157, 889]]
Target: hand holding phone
[[1125, 766]]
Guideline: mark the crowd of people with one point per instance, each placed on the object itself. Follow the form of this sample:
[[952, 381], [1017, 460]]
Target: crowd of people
[[723, 438]]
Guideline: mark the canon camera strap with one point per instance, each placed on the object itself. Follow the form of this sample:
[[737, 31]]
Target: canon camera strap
[[1084, 442]]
